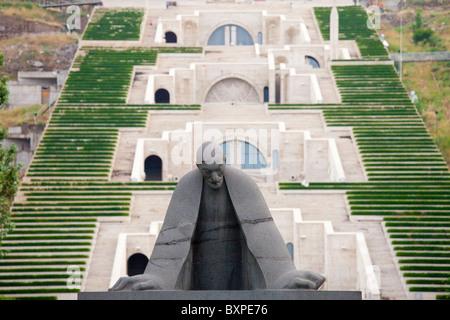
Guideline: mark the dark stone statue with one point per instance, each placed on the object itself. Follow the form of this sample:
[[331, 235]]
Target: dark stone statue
[[218, 234]]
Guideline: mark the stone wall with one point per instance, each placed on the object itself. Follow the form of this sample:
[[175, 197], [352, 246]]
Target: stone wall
[[264, 27]]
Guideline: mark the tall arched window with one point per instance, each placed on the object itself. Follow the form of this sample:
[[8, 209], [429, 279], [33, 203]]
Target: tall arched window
[[230, 34], [153, 168], [246, 154], [226, 146], [162, 96], [260, 38], [290, 248], [275, 159], [217, 38], [251, 157], [312, 62], [243, 38], [266, 94]]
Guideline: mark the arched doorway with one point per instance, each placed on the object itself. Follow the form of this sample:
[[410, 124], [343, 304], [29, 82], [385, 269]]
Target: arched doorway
[[171, 37], [232, 90], [153, 168], [136, 264], [162, 96]]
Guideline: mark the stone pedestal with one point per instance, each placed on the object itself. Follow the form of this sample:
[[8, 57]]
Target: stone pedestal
[[222, 295]]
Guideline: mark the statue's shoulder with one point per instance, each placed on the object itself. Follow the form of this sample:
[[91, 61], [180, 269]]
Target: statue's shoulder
[[185, 198], [237, 176], [192, 177], [246, 196]]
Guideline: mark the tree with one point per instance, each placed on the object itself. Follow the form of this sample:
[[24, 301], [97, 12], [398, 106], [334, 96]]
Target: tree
[[9, 178], [422, 34], [418, 20], [4, 92]]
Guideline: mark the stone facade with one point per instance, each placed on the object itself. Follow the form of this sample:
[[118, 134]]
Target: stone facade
[[260, 56], [251, 57]]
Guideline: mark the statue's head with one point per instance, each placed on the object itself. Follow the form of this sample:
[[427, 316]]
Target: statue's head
[[211, 162]]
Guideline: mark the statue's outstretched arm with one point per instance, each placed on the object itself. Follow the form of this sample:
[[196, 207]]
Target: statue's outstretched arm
[[139, 282], [298, 279]]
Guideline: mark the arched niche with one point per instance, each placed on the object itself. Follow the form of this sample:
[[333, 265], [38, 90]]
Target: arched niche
[[232, 90]]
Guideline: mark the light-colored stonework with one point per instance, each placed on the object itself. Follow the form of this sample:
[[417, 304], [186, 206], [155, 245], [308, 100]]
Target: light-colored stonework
[[234, 84]]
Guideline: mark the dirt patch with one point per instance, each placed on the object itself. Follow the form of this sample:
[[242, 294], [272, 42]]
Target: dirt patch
[[392, 19], [41, 52], [11, 27], [29, 43], [22, 115]]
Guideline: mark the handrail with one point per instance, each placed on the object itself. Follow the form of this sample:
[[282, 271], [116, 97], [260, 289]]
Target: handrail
[[421, 56]]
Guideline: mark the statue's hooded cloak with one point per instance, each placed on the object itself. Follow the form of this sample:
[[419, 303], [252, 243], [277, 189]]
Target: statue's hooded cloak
[[171, 258]]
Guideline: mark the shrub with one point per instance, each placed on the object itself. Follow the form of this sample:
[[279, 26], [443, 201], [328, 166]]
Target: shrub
[[422, 34]]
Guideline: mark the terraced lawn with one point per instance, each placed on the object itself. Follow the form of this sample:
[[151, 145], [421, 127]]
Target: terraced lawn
[[55, 229], [57, 211], [115, 24], [408, 185], [408, 180], [104, 75], [353, 26]]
